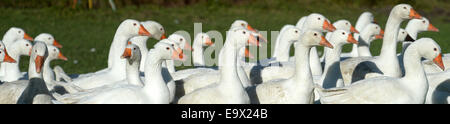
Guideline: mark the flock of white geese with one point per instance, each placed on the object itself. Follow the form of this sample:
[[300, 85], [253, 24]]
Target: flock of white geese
[[138, 75]]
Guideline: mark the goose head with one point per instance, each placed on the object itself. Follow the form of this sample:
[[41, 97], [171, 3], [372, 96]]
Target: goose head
[[155, 29], [180, 41], [55, 53], [341, 37], [132, 53], [292, 33], [403, 36], [17, 33], [244, 24], [313, 38], [375, 30], [345, 25], [430, 50], [133, 28], [4, 57], [205, 39], [23, 47], [169, 52], [422, 25], [174, 44], [318, 22], [405, 11], [38, 56], [48, 39], [243, 37]]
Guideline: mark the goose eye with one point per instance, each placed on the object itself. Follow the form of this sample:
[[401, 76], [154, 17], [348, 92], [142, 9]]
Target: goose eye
[[172, 45], [134, 24], [346, 23], [243, 32], [26, 45], [202, 37], [167, 48], [435, 49], [54, 50], [315, 34], [423, 21], [243, 24], [181, 39], [296, 31], [35, 51], [343, 33], [318, 18], [376, 27], [404, 7], [0, 52], [161, 29], [20, 32], [134, 48], [403, 32], [49, 38]]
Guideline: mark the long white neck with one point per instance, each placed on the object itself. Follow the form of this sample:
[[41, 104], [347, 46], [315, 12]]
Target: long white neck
[[283, 48], [229, 78], [415, 78], [48, 74], [332, 69], [133, 74], [240, 69], [141, 42], [170, 65], [118, 45], [364, 43], [12, 70], [197, 53], [302, 67], [154, 85], [388, 50]]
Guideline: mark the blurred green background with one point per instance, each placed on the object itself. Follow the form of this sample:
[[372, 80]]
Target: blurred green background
[[82, 27]]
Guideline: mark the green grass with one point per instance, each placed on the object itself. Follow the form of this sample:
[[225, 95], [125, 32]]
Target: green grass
[[80, 30]]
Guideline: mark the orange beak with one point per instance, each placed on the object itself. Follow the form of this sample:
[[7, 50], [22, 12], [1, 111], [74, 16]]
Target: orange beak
[[57, 44], [379, 36], [178, 55], [327, 26], [438, 61], [248, 54], [163, 36], [253, 41], [208, 42], [325, 43], [143, 31], [413, 14], [62, 57], [8, 58], [432, 28], [350, 39], [126, 54], [27, 37], [353, 30], [39, 61], [250, 28], [188, 46], [381, 32]]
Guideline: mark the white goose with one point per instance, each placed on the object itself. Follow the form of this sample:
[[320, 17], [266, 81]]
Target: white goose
[[154, 90], [21, 47], [366, 38], [202, 39], [29, 91], [340, 25], [412, 88], [156, 31], [229, 89], [357, 68], [299, 88], [127, 29], [364, 19], [12, 35], [332, 76]]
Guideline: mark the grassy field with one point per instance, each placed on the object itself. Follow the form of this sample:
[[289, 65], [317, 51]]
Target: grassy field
[[80, 30]]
